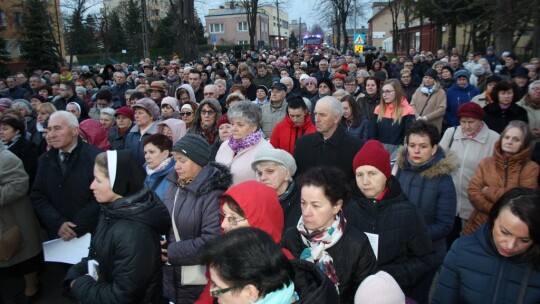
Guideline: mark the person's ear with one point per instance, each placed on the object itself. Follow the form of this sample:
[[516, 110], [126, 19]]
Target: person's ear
[[251, 293]]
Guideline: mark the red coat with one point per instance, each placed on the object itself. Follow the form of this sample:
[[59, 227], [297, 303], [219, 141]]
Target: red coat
[[286, 132]]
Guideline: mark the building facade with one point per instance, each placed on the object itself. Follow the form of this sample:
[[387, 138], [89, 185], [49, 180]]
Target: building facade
[[278, 25], [11, 26], [227, 25]]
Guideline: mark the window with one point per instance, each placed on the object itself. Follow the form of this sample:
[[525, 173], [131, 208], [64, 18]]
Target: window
[[216, 28], [242, 26], [242, 42], [2, 18], [17, 19]]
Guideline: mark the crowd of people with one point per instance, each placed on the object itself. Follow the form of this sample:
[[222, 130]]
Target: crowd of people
[[293, 176]]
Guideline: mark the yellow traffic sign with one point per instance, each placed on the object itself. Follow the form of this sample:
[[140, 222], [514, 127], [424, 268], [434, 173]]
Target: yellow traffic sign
[[358, 48]]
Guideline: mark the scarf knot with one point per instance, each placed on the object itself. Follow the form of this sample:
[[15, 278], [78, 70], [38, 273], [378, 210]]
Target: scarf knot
[[239, 145]]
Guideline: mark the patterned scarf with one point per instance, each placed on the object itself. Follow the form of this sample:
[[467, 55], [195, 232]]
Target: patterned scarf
[[252, 139], [318, 241]]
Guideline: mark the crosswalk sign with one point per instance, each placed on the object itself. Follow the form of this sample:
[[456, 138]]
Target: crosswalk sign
[[358, 48], [359, 39]]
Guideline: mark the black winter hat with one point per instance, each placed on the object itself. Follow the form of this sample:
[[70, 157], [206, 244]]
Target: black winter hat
[[193, 147], [432, 73]]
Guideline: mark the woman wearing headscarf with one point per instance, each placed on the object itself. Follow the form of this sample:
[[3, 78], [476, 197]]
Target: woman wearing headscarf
[[124, 121], [173, 128], [126, 244], [246, 140], [193, 202]]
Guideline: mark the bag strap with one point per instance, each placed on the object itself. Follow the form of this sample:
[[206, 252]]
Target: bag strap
[[524, 284], [452, 138], [176, 234], [425, 105], [158, 181]]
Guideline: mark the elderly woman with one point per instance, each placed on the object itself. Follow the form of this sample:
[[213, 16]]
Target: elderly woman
[[169, 108], [125, 245], [193, 201], [159, 163], [184, 94], [173, 128], [323, 235], [509, 167], [470, 142], [25, 109], [75, 109], [239, 151], [379, 207], [429, 100], [205, 121], [498, 263], [187, 113], [275, 168], [146, 114], [106, 118], [503, 110], [36, 100], [124, 121], [158, 91]]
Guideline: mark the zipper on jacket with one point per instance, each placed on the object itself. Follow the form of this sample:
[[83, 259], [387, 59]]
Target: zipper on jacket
[[497, 286], [505, 172]]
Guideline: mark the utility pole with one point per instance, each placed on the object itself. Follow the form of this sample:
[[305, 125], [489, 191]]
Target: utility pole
[[144, 30], [278, 25]]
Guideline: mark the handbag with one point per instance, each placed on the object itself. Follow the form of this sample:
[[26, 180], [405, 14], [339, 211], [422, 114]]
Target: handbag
[[193, 274], [11, 240]]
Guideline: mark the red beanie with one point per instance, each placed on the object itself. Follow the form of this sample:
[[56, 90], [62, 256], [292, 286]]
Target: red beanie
[[224, 119], [126, 111], [373, 154]]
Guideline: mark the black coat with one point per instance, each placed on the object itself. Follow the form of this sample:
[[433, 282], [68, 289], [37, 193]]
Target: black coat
[[28, 153], [126, 246], [58, 197], [312, 285], [61, 104], [290, 202], [405, 250], [117, 139], [312, 150], [352, 255], [497, 119]]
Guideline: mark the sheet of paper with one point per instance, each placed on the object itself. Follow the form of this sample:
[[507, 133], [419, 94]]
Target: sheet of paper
[[70, 252], [374, 242]]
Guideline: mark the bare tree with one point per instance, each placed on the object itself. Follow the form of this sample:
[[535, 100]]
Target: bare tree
[[77, 37]]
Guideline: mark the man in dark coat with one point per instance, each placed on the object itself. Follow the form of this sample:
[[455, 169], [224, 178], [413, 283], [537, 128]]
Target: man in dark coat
[[119, 90], [61, 193], [330, 145], [14, 91], [67, 95]]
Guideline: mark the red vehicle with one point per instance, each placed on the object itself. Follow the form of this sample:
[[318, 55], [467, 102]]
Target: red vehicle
[[313, 42]]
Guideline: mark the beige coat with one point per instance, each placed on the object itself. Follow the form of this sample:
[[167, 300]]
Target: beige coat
[[435, 108], [15, 202]]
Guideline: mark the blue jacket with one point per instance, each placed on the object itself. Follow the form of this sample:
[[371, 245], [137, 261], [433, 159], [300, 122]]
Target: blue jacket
[[456, 96], [134, 141], [431, 189], [151, 179], [474, 272]]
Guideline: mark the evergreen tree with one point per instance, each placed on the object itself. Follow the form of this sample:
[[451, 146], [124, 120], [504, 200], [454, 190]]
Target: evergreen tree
[[132, 27], [4, 58], [116, 39], [165, 33], [38, 45]]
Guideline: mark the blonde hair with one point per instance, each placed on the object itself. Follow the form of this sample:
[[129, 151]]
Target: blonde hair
[[398, 111]]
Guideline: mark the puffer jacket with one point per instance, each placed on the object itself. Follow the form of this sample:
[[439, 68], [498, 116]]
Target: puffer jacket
[[497, 118], [432, 108], [286, 132], [95, 134], [455, 97], [126, 246], [474, 272], [499, 174], [386, 130], [159, 176], [197, 218], [431, 189], [352, 256], [405, 249]]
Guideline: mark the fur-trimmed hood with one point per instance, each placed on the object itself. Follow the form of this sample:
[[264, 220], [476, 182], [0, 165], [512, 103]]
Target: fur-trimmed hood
[[442, 163]]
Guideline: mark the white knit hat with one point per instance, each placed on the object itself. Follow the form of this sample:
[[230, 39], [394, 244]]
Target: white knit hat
[[379, 288]]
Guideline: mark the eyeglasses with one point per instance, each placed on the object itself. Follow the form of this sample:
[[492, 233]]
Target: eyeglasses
[[217, 292], [231, 219], [208, 93], [387, 91], [185, 113], [204, 112], [310, 83]]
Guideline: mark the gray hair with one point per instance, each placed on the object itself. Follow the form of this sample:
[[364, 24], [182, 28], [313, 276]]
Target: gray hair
[[220, 81], [108, 111], [66, 117], [363, 73], [281, 167], [340, 93], [335, 105], [531, 86], [17, 103], [286, 79], [247, 111]]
